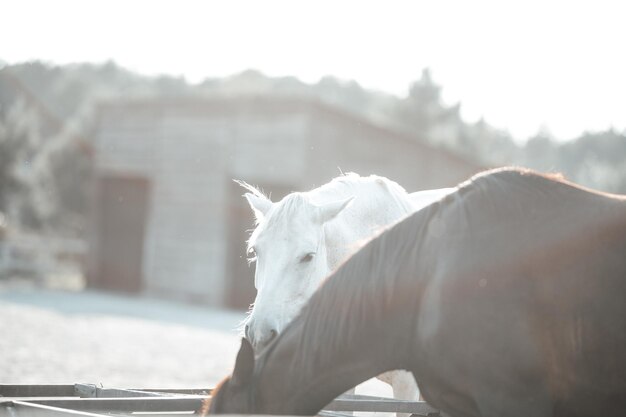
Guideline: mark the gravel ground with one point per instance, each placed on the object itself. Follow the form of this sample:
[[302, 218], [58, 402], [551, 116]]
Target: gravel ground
[[50, 337], [64, 337]]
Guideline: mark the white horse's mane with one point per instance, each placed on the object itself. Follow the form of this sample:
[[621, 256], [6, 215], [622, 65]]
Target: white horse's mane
[[348, 184], [343, 186]]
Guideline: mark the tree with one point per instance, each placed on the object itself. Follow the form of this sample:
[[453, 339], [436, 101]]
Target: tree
[[11, 144], [19, 143], [540, 151], [422, 107]]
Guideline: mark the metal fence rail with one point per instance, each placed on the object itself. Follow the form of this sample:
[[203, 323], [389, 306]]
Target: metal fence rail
[[94, 401]]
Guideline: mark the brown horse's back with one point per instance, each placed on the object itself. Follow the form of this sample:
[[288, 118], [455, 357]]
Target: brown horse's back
[[526, 307]]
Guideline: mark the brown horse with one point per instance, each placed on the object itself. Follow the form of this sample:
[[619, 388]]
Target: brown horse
[[506, 298]]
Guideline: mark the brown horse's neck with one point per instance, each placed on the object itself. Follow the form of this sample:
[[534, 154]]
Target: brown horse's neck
[[359, 324], [289, 383]]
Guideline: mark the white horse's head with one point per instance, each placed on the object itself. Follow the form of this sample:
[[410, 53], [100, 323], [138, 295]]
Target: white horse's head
[[289, 249], [299, 240]]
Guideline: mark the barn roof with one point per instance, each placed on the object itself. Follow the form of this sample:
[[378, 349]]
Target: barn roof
[[271, 105]]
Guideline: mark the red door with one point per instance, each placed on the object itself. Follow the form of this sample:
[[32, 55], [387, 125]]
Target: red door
[[122, 204]]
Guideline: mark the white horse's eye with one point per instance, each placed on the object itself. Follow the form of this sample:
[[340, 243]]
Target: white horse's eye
[[308, 257]]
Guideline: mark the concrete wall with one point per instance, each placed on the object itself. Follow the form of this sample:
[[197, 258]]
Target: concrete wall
[[341, 140]]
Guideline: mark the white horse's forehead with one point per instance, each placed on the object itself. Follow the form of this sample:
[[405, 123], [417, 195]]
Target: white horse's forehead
[[292, 220], [294, 232]]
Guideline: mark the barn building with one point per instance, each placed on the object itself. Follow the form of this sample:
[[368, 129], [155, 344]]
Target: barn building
[[169, 220]]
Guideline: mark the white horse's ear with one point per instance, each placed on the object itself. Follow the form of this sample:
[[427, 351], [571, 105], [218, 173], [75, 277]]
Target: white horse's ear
[[259, 204], [330, 210]]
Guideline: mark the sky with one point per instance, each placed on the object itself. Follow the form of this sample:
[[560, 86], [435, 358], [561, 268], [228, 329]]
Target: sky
[[525, 66]]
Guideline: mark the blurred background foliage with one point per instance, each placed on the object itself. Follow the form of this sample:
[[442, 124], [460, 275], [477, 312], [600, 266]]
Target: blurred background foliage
[[47, 113]]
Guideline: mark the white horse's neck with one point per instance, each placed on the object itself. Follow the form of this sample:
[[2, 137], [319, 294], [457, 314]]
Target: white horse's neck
[[421, 199]]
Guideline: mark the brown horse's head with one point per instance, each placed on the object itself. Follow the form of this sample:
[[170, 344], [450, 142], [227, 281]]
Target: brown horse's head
[[234, 395]]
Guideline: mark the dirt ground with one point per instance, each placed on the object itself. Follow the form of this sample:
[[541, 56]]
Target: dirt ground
[[65, 337], [68, 337]]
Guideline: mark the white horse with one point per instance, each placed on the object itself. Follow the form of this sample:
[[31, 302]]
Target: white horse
[[299, 240]]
